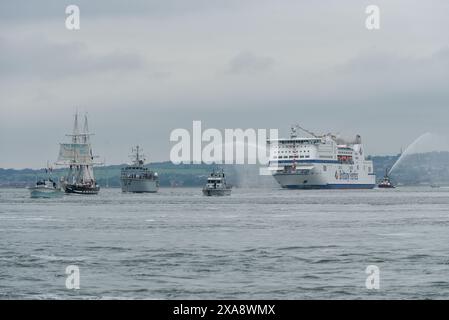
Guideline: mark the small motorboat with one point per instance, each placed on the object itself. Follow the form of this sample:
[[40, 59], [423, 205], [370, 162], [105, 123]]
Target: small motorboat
[[45, 188]]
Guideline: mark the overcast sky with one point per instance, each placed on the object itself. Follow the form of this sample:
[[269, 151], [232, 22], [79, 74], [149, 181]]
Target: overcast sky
[[143, 68]]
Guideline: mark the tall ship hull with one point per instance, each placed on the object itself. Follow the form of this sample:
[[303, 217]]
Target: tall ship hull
[[139, 185], [79, 189], [320, 162]]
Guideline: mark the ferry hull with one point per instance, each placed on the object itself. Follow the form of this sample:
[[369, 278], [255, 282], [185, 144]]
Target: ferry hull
[[331, 186], [323, 180], [139, 185]]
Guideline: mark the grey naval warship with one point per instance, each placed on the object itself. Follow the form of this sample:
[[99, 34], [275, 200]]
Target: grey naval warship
[[136, 177]]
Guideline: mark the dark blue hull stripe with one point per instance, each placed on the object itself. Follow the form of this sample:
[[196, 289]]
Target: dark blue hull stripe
[[332, 186]]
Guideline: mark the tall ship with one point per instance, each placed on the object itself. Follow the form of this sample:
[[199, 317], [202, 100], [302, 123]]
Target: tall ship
[[79, 159], [320, 162], [136, 177]]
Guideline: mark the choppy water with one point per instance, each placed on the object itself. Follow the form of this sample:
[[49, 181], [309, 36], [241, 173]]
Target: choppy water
[[277, 244]]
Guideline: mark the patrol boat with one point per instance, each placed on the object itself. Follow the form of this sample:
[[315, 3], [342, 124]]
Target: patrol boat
[[78, 156], [136, 177], [216, 185], [320, 162]]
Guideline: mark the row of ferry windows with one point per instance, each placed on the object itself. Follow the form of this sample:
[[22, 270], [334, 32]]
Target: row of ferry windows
[[290, 157], [350, 168], [292, 147], [301, 151]]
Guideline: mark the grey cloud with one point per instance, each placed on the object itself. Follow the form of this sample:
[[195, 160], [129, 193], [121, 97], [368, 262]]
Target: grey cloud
[[383, 63], [395, 76], [249, 63], [294, 70], [38, 57], [47, 9]]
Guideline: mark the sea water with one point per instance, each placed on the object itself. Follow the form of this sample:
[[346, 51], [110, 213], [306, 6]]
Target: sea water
[[255, 244]]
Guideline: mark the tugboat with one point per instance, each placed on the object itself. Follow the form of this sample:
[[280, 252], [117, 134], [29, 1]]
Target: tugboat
[[78, 156], [216, 185], [386, 182], [137, 178]]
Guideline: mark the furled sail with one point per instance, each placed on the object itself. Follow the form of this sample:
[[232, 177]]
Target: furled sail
[[75, 153]]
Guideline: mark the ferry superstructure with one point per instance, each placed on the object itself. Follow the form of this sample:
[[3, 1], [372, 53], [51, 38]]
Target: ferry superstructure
[[320, 162]]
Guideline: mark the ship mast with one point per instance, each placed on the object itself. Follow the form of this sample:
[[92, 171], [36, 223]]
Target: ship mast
[[137, 154], [137, 157], [86, 130], [76, 131]]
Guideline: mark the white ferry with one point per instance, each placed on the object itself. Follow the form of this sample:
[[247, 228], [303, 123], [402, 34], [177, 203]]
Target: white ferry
[[320, 162]]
